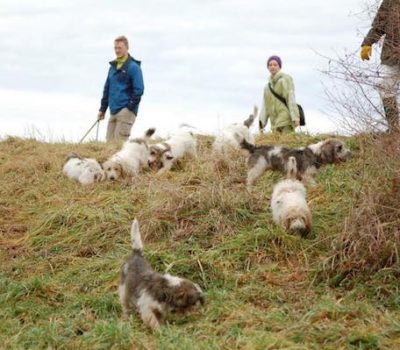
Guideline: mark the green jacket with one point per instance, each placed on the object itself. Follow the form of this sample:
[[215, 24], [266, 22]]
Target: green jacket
[[275, 110]]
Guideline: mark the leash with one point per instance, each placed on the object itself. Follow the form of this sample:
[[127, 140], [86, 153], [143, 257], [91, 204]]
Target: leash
[[96, 122], [97, 130]]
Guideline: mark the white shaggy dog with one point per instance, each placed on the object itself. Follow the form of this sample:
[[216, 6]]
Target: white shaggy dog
[[130, 159], [289, 205], [84, 170], [229, 136], [164, 155], [153, 294]]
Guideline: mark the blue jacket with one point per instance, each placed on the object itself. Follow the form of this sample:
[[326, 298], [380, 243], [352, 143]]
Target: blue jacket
[[124, 87]]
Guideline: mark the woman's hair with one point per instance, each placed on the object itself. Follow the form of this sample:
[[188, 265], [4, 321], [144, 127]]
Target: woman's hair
[[276, 59], [123, 39]]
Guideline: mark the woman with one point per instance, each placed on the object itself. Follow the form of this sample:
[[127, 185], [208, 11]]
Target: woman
[[284, 117]]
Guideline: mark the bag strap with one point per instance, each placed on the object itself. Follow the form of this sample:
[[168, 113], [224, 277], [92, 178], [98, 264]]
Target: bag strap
[[279, 97]]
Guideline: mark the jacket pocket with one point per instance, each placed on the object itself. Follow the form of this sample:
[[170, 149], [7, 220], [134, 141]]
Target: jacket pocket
[[122, 76]]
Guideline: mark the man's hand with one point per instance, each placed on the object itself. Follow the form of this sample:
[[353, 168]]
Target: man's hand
[[366, 52], [296, 123], [100, 115]]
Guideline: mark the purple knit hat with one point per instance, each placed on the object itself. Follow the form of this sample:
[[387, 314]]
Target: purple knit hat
[[275, 58]]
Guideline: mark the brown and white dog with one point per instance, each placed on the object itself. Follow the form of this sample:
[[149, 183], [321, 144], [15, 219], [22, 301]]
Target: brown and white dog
[[84, 170], [308, 159], [151, 293], [165, 154], [289, 203], [130, 159]]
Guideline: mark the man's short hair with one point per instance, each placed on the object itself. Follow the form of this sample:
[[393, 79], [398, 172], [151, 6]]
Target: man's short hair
[[123, 39]]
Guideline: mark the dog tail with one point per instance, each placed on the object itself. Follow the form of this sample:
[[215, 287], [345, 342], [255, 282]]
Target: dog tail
[[249, 121], [292, 168], [187, 126], [136, 239], [72, 155], [244, 144], [149, 133]]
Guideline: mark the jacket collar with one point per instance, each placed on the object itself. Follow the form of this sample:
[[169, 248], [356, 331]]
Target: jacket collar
[[130, 58], [276, 77]]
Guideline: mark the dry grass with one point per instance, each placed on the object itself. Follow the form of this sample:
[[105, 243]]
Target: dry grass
[[62, 245], [370, 240]]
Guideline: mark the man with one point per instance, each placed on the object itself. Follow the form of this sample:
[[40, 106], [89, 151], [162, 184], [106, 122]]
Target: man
[[122, 92], [387, 22]]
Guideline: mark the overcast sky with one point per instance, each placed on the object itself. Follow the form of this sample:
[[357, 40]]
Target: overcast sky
[[203, 61]]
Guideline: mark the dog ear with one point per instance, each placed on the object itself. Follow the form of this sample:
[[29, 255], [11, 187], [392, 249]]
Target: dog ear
[[121, 169], [308, 220], [178, 297], [286, 223], [328, 152]]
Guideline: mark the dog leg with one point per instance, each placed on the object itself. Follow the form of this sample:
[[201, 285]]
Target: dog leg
[[150, 319], [256, 171], [150, 310], [193, 152], [309, 176], [127, 308]]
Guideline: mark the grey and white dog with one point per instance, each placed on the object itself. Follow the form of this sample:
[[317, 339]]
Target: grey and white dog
[[308, 159], [153, 294]]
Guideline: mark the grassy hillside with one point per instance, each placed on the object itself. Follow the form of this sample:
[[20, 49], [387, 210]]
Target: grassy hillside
[[62, 245]]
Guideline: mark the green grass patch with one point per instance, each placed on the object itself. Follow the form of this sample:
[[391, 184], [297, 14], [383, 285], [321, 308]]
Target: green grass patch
[[62, 246]]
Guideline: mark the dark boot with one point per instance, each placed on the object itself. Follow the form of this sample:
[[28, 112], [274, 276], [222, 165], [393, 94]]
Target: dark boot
[[391, 113]]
